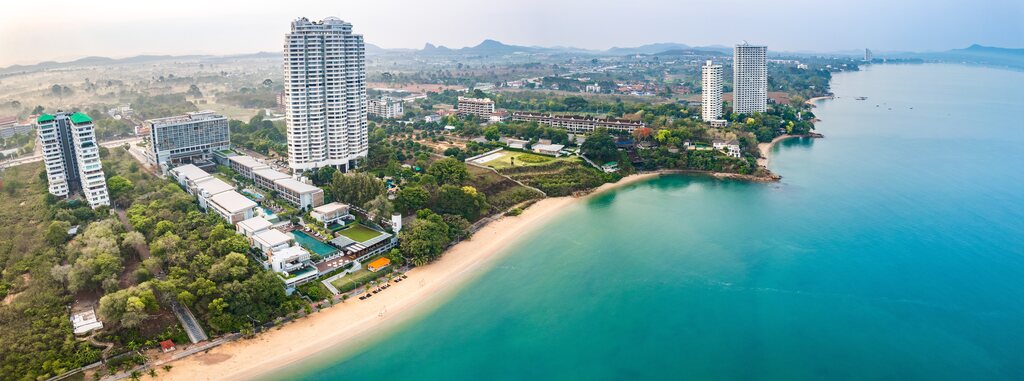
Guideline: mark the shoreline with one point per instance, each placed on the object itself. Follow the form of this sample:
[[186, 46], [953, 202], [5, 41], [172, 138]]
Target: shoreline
[[812, 101], [344, 327], [766, 148]]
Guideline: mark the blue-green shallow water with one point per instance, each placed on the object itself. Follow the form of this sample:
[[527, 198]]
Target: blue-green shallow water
[[892, 249]]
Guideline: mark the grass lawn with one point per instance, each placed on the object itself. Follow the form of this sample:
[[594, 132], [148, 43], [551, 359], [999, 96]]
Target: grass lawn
[[352, 281], [524, 159], [359, 233]]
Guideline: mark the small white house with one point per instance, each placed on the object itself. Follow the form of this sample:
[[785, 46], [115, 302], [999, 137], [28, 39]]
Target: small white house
[[330, 213]]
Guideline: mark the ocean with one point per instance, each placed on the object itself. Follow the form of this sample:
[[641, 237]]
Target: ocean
[[892, 249]]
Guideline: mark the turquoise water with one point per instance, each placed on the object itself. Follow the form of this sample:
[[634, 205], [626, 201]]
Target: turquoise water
[[312, 244], [892, 249]]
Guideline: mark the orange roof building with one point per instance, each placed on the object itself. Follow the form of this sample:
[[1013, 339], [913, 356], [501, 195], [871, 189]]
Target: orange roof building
[[378, 264]]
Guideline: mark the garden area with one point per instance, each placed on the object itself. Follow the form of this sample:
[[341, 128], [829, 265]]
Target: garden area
[[359, 233], [509, 159], [357, 279]]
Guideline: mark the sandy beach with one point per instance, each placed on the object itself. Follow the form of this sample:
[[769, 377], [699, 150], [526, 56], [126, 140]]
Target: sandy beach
[[766, 149], [348, 322]]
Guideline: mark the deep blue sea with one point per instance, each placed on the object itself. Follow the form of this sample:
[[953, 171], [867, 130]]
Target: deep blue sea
[[892, 249]]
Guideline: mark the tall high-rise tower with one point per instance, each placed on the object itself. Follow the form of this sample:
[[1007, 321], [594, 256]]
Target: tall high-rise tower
[[749, 79], [325, 94], [710, 92], [72, 157]]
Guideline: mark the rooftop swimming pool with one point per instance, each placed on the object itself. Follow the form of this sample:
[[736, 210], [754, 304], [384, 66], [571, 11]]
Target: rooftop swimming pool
[[312, 244]]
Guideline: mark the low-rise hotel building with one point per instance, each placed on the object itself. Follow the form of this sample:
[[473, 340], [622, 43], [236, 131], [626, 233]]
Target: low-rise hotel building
[[232, 206], [299, 193], [330, 213], [245, 165], [578, 124]]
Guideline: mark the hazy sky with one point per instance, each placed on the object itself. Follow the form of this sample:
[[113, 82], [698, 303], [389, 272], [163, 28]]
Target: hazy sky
[[37, 30]]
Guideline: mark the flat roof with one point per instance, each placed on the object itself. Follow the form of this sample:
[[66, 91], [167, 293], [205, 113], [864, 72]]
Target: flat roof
[[189, 117], [232, 201], [296, 185], [246, 161], [213, 185], [329, 208], [272, 237], [271, 174], [255, 224], [379, 263], [548, 147], [290, 252], [190, 172]]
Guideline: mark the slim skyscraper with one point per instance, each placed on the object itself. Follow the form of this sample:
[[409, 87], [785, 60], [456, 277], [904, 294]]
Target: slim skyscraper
[[710, 92], [325, 94], [749, 79], [72, 157]]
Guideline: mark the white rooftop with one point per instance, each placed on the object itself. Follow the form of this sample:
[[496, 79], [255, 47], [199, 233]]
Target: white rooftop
[[271, 174], [255, 224], [247, 161], [213, 185], [296, 185], [232, 201], [330, 208], [289, 253], [272, 237], [548, 147], [85, 321], [190, 172]]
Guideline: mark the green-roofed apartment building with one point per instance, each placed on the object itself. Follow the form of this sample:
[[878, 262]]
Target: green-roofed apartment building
[[72, 157]]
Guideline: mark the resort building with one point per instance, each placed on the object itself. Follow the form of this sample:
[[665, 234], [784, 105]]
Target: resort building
[[232, 206], [187, 175], [482, 107], [245, 165], [729, 147], [72, 157], [578, 124], [386, 107], [711, 92], [289, 259], [269, 240], [749, 79], [266, 177], [209, 187], [299, 193], [362, 250], [250, 227], [186, 138], [330, 213], [85, 321], [325, 94]]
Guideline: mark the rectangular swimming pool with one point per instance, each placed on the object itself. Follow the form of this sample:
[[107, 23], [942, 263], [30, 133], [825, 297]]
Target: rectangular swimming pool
[[312, 244]]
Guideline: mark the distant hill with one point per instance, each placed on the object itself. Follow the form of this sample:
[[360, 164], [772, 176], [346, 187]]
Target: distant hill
[[94, 61], [974, 54]]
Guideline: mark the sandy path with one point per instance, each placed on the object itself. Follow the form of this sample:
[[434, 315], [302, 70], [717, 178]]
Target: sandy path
[[279, 347]]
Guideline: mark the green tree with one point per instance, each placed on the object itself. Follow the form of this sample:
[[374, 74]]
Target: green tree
[[600, 146], [449, 171], [411, 198]]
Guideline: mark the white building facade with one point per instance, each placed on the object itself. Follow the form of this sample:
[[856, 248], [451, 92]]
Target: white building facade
[[749, 79], [710, 92], [386, 107], [482, 107], [187, 138], [325, 94], [72, 157]]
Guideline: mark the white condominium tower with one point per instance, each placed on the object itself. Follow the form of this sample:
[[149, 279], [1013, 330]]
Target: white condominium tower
[[749, 79], [710, 92], [71, 157], [325, 94]]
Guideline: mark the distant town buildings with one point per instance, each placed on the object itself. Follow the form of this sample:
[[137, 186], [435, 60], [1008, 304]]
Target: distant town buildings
[[386, 107], [749, 79], [325, 94], [593, 88], [188, 138], [711, 92], [72, 157], [482, 107], [9, 126], [577, 124]]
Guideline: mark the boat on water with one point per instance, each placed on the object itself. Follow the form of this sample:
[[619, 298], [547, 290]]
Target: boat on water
[[862, 98]]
